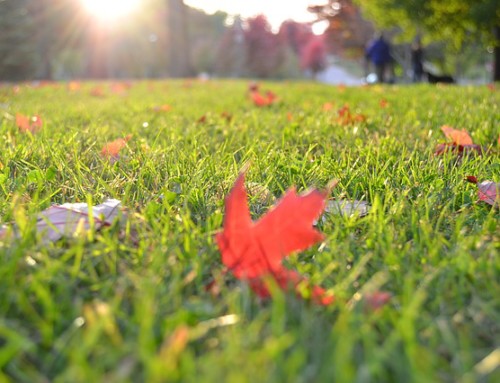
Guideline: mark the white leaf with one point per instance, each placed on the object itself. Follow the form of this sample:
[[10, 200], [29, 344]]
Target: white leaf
[[347, 208], [66, 219]]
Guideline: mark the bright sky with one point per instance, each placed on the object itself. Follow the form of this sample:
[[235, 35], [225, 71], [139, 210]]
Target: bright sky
[[276, 11]]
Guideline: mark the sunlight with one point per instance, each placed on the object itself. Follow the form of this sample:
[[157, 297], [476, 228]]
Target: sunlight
[[109, 10]]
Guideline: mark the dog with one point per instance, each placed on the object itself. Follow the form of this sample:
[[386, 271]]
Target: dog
[[442, 79]]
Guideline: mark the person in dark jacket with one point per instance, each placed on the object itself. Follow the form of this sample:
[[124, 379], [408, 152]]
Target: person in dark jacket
[[417, 58], [379, 53]]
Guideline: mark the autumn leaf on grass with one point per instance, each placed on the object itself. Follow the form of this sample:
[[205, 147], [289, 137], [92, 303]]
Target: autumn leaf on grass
[[327, 106], [162, 108], [119, 88], [71, 218], [97, 91], [74, 86], [261, 100], [347, 208], [487, 191], [461, 142], [227, 116], [377, 300], [254, 251], [27, 124], [253, 87], [346, 117], [112, 149]]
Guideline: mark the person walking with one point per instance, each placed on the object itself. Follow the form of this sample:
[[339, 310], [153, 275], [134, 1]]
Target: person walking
[[417, 58], [379, 53]]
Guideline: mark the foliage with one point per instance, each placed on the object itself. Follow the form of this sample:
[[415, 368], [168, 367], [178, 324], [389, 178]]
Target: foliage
[[313, 55], [348, 31], [17, 57], [454, 20], [264, 51]]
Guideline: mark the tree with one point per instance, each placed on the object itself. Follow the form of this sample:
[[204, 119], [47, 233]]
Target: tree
[[348, 31], [17, 58], [264, 50], [313, 56], [178, 37], [456, 21]]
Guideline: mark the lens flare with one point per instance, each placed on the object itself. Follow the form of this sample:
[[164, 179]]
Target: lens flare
[[109, 10]]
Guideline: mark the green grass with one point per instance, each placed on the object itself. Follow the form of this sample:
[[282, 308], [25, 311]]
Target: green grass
[[129, 303]]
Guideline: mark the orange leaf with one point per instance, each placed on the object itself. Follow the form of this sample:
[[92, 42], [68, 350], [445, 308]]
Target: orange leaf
[[459, 137], [112, 149], [97, 91], [327, 106], [74, 86], [26, 124], [254, 250], [162, 108]]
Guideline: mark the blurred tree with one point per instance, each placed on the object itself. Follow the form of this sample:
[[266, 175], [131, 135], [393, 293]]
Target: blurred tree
[[348, 31], [456, 21], [230, 52], [205, 33], [313, 57], [57, 26], [296, 35], [17, 56], [178, 39], [264, 49]]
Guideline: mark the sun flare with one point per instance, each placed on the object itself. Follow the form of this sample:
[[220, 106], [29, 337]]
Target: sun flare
[[109, 10]]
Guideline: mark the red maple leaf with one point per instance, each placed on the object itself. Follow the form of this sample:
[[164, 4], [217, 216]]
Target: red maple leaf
[[461, 142], [254, 251]]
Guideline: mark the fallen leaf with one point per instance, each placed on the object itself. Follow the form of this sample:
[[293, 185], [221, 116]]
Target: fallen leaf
[[74, 86], [28, 124], [112, 149], [376, 300], [70, 218], [253, 251], [119, 88], [97, 91], [487, 191], [459, 137], [345, 117], [253, 87], [227, 116], [261, 100], [461, 142], [327, 106], [347, 208], [162, 108]]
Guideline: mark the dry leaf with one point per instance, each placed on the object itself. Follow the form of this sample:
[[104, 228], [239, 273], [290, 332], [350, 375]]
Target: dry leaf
[[347, 208], [70, 218]]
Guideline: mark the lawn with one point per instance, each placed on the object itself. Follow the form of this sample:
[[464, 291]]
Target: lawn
[[130, 302]]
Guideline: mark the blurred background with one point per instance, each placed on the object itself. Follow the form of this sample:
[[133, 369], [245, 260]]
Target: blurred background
[[321, 39]]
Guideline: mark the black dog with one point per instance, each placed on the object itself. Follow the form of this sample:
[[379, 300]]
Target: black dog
[[444, 79]]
